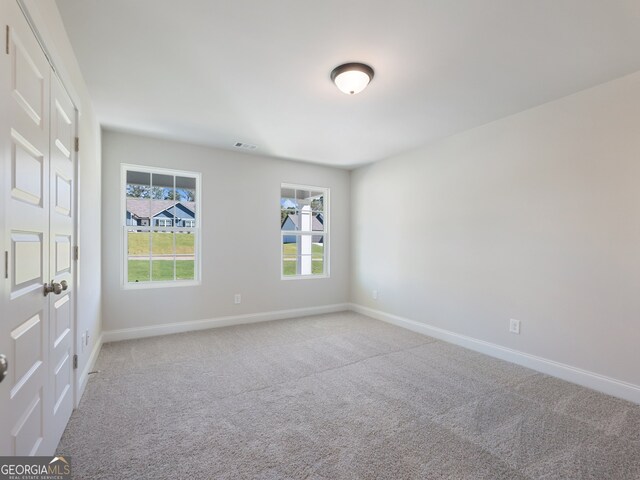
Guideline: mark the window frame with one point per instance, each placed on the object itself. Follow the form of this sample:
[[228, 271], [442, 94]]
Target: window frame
[[150, 227], [325, 232]]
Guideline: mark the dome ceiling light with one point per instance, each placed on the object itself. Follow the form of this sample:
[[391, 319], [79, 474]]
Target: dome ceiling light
[[352, 78]]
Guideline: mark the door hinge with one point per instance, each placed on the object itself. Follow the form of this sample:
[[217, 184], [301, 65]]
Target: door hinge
[[6, 39], [75, 362], [76, 252], [77, 144], [6, 264]]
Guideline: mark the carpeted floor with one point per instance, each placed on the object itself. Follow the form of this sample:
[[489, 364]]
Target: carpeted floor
[[338, 396]]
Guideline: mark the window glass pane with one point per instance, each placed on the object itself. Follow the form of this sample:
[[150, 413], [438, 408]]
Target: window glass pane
[[289, 245], [138, 184], [289, 266], [185, 215], [317, 201], [185, 185], [162, 270], [317, 266], [138, 243], [317, 247], [288, 199], [288, 192], [138, 266], [163, 184], [138, 270], [138, 193], [185, 210], [162, 254], [185, 255], [303, 198], [317, 222], [289, 220]]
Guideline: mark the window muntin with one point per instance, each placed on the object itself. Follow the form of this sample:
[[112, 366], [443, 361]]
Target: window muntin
[[304, 231], [161, 226]]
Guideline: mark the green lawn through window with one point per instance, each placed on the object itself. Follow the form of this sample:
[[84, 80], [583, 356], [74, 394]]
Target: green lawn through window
[[290, 262], [162, 270], [138, 248], [162, 243]]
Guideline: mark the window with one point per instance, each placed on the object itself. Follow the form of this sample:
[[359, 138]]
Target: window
[[163, 222], [161, 233], [304, 231]]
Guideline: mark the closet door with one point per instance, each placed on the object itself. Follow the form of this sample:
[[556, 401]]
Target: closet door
[[36, 191]]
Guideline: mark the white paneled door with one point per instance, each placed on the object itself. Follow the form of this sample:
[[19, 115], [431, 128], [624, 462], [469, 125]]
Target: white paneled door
[[37, 202]]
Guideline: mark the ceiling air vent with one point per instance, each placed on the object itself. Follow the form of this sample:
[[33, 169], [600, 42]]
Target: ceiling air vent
[[244, 146]]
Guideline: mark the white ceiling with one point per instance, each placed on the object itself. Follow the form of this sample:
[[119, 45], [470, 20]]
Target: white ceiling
[[256, 71]]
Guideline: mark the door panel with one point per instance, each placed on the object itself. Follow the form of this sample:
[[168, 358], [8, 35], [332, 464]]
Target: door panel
[[28, 175], [28, 434], [62, 254], [25, 199], [63, 195], [61, 323], [26, 253], [62, 171], [28, 76], [25, 359]]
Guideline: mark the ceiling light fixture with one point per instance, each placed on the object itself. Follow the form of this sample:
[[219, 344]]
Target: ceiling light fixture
[[352, 78]]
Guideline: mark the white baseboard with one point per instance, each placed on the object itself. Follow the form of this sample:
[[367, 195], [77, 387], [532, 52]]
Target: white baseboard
[[595, 381], [188, 326], [84, 376]]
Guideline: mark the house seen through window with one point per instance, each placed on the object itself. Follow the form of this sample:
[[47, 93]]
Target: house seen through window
[[304, 222], [161, 234]]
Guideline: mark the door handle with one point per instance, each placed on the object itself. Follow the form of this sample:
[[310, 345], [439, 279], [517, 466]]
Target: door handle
[[4, 367], [53, 287]]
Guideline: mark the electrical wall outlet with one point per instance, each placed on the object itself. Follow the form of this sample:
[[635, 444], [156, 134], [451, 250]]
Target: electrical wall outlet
[[514, 326], [374, 294], [237, 298]]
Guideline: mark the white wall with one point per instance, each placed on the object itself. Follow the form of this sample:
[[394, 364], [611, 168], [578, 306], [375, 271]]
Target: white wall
[[240, 235], [48, 22], [534, 217]]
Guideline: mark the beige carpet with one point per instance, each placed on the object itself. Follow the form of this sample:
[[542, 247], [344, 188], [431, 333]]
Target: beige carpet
[[338, 396]]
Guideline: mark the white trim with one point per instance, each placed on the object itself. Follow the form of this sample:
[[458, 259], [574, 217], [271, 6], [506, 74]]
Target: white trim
[[299, 186], [84, 376], [189, 326], [303, 277], [595, 381], [161, 284]]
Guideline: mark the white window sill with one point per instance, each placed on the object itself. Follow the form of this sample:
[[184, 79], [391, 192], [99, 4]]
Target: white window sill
[[147, 285], [303, 277]]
